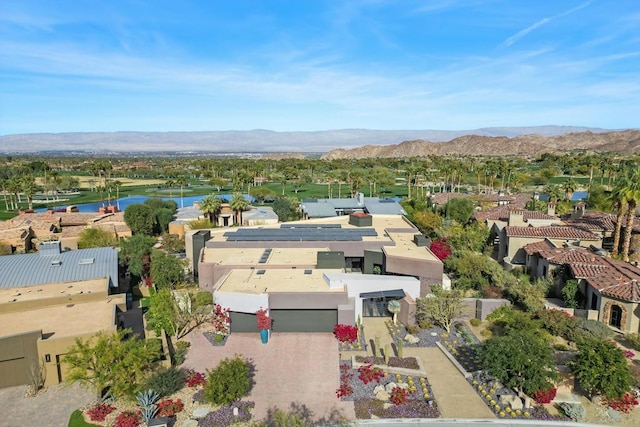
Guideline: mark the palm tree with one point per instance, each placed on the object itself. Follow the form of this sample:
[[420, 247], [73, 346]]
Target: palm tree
[[117, 184], [170, 183], [554, 192], [569, 186], [632, 197], [181, 181], [238, 203], [211, 205], [619, 203], [29, 188]]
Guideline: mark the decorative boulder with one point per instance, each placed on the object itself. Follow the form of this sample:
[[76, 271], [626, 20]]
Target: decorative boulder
[[382, 395], [201, 411], [378, 388], [411, 339], [189, 423], [390, 387]]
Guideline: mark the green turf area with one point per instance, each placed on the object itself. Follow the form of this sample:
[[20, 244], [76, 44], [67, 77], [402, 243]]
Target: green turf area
[[77, 420]]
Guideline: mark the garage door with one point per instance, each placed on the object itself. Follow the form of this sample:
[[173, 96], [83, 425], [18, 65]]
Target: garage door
[[304, 320], [243, 322], [13, 372]]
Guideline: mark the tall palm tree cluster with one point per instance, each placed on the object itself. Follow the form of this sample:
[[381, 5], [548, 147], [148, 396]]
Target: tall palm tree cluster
[[625, 197]]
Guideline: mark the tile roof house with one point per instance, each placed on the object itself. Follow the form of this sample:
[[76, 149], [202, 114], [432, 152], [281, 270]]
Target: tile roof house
[[62, 226], [611, 287]]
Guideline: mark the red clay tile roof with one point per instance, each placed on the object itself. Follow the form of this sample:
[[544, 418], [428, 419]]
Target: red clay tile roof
[[551, 232], [569, 256], [617, 279], [582, 271], [535, 247], [501, 213], [594, 221]]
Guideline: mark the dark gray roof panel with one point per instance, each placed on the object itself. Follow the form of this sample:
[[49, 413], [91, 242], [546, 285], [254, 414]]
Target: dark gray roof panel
[[67, 266], [299, 234]]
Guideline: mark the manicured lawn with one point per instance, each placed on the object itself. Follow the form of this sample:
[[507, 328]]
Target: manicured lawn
[[77, 420]]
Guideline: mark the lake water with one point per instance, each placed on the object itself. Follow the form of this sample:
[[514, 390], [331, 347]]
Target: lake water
[[123, 202], [576, 197]]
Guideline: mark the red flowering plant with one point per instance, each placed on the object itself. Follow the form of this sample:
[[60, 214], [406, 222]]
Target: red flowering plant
[[370, 373], [345, 377], [345, 333], [264, 321], [169, 407], [221, 319], [129, 419], [624, 404], [100, 411], [545, 396], [441, 249], [194, 378], [399, 396]]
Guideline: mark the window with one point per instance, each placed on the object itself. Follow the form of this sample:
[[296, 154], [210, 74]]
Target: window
[[616, 316], [594, 302]]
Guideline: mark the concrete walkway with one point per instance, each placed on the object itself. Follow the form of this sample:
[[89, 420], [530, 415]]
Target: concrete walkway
[[290, 368], [455, 396]]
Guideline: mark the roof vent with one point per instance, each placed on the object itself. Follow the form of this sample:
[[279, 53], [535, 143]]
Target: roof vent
[[261, 272], [307, 272], [56, 262]]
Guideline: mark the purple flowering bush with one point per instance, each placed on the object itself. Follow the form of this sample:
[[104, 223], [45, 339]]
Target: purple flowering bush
[[224, 417]]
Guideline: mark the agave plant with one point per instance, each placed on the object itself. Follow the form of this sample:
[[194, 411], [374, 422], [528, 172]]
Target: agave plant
[[147, 401]]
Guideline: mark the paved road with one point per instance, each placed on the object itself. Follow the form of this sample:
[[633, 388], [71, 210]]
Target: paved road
[[51, 408]]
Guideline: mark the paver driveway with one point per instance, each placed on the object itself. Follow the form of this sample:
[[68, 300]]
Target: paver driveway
[[53, 407], [290, 368]]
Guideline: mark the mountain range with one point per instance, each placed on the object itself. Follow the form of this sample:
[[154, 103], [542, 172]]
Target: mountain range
[[266, 141]]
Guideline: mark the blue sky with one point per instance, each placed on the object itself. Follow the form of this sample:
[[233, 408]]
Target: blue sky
[[307, 65]]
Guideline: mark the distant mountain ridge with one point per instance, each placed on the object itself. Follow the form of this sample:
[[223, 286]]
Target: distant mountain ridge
[[258, 140], [523, 145]]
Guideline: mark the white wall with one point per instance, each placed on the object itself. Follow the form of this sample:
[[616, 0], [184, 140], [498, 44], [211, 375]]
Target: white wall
[[242, 303], [362, 283]]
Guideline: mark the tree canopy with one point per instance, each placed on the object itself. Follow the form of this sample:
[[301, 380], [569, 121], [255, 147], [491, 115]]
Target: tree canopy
[[444, 307], [108, 360], [166, 270], [96, 237], [520, 359], [140, 218], [459, 209], [134, 253]]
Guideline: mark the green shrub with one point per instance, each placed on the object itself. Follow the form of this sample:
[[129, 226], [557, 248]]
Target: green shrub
[[587, 328], [633, 340], [165, 381], [413, 329], [425, 324], [218, 338], [575, 411], [229, 381], [560, 347], [180, 350], [475, 322], [557, 322], [204, 298]]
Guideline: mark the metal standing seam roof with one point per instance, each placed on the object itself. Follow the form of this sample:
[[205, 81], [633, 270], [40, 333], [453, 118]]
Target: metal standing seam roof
[[319, 210], [66, 266], [376, 206]]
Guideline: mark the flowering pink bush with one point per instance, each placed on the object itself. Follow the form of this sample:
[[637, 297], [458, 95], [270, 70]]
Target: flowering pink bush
[[628, 354], [345, 333], [221, 319], [345, 376], [100, 412]]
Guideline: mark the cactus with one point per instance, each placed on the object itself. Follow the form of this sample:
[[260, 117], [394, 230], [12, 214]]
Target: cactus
[[400, 348], [387, 350], [359, 325], [376, 349]]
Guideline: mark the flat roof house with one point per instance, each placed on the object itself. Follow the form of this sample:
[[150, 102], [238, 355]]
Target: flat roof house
[[47, 300], [313, 274]]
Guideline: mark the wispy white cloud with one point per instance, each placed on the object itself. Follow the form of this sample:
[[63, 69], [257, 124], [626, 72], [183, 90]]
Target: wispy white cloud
[[520, 34]]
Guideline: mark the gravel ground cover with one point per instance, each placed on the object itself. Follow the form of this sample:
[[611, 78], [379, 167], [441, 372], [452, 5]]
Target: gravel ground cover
[[420, 401]]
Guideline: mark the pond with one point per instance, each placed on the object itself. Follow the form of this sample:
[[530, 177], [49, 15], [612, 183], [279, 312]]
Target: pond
[[124, 202]]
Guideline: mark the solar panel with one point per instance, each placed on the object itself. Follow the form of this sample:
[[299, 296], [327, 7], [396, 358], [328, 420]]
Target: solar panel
[[301, 234]]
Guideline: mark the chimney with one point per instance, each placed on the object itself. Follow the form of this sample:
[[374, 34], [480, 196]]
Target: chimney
[[551, 208], [360, 197], [52, 247], [578, 210], [516, 218]]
